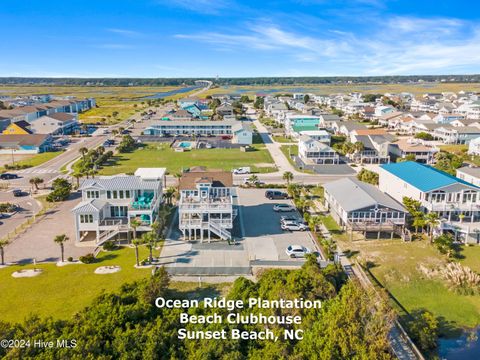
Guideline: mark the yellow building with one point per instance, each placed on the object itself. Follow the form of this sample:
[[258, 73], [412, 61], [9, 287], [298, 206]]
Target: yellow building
[[17, 128]]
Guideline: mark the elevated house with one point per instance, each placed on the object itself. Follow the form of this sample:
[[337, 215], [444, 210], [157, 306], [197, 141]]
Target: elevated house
[[314, 151], [206, 208], [474, 147], [109, 203], [456, 201], [470, 174], [376, 146], [242, 133], [327, 121], [358, 206], [422, 152], [456, 134]]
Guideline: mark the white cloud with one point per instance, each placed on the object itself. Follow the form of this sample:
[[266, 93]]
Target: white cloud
[[124, 32], [398, 45]]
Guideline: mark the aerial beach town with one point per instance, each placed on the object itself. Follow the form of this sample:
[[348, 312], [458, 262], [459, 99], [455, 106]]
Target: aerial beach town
[[281, 186]]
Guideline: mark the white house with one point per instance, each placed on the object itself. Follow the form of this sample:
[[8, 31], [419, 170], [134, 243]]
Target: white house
[[456, 201], [242, 133], [206, 209], [474, 147], [56, 123], [109, 203], [319, 135], [317, 152], [470, 174]]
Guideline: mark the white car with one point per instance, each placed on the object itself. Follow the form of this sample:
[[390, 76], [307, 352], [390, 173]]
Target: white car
[[241, 171], [294, 226], [283, 208], [295, 251]]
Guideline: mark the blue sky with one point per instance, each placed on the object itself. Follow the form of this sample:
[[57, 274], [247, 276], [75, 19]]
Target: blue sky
[[229, 38]]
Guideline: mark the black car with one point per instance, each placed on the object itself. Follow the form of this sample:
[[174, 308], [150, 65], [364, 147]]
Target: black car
[[8, 176], [18, 192], [275, 194]]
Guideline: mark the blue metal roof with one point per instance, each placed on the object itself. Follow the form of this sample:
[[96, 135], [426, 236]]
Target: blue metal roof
[[423, 177]]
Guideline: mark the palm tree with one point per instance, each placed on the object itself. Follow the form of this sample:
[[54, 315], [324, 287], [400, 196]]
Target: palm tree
[[100, 150], [135, 243], [253, 179], [149, 239], [287, 176], [83, 151], [134, 224], [432, 219], [358, 147], [314, 222], [77, 174], [3, 245], [115, 132], [35, 181], [169, 193], [60, 240]]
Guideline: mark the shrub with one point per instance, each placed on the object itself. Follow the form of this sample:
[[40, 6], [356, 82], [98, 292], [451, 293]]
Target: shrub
[[109, 246], [70, 259], [87, 259]]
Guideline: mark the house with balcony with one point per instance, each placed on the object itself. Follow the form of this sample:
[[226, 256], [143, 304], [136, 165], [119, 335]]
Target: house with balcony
[[206, 208], [358, 206], [421, 150], [313, 151], [110, 203], [456, 134], [456, 201]]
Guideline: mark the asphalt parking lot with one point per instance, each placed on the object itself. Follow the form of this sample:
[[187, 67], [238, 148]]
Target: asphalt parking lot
[[263, 236]]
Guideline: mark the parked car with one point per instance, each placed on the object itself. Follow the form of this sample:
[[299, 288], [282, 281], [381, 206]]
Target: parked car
[[106, 131], [248, 181], [288, 218], [242, 170], [8, 176], [294, 226], [295, 251], [283, 207], [275, 194], [18, 192]]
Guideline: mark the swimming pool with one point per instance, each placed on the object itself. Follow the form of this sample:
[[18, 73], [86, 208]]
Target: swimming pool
[[185, 144]]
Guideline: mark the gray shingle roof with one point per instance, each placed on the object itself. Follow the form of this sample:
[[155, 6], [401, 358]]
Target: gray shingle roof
[[89, 206], [124, 182], [353, 194]]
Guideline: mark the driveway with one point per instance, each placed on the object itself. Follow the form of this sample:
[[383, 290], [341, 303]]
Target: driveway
[[37, 241], [259, 241], [264, 238]]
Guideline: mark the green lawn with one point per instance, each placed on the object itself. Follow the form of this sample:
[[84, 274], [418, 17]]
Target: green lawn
[[282, 139], [62, 291], [395, 266], [39, 159], [293, 151], [161, 155]]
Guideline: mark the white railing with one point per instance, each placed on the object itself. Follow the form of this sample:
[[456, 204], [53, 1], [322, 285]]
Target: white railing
[[204, 206], [111, 222], [217, 229]]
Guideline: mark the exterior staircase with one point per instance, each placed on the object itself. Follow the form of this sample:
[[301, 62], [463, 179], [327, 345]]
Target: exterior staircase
[[219, 231], [107, 235]]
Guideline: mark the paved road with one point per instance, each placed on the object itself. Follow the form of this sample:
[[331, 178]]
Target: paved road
[[27, 207]]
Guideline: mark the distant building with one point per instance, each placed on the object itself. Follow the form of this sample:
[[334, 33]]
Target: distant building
[[21, 127], [24, 144], [192, 127], [55, 124]]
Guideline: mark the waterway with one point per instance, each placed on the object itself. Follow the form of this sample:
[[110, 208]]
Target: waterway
[[460, 348], [164, 94]]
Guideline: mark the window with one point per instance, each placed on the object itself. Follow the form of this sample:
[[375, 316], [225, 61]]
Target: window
[[87, 218], [109, 194], [93, 194], [114, 194], [120, 194], [469, 196], [127, 194]]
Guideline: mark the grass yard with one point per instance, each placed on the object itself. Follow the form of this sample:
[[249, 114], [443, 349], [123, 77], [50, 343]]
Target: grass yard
[[39, 159], [457, 149], [161, 155], [395, 267], [288, 150], [282, 139], [49, 295]]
